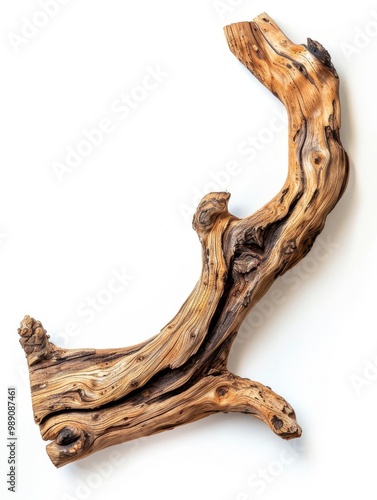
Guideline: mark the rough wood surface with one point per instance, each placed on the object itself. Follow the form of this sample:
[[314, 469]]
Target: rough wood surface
[[87, 399]]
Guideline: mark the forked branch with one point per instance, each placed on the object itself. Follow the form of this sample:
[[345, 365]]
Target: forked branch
[[87, 399]]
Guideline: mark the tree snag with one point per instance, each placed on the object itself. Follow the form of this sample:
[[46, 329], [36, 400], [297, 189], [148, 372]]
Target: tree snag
[[87, 399]]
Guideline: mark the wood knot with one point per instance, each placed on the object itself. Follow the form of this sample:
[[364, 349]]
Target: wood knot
[[68, 436], [277, 422], [246, 262], [70, 443], [34, 340], [222, 391], [319, 51], [318, 158], [210, 209], [289, 247]]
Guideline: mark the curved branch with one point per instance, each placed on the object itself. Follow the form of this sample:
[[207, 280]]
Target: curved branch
[[80, 433], [87, 399]]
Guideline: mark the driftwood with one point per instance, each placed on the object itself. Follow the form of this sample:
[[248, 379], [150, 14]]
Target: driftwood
[[87, 399]]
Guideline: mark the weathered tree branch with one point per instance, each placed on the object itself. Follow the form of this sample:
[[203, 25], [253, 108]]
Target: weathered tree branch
[[87, 399]]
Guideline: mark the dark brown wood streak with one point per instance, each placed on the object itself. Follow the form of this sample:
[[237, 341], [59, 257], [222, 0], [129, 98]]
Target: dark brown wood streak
[[87, 399]]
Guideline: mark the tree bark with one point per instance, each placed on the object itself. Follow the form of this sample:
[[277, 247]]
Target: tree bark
[[87, 399]]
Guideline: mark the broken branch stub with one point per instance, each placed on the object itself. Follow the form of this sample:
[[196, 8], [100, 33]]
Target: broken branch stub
[[87, 399]]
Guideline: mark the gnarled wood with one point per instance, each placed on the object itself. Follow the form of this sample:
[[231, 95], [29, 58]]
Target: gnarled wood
[[87, 399]]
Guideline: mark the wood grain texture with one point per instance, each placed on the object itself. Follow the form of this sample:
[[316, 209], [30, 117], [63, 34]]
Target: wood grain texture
[[87, 399]]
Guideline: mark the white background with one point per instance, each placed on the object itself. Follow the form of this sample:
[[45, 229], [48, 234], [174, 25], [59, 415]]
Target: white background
[[126, 208]]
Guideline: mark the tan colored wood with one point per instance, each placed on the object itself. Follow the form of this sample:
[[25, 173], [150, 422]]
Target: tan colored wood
[[87, 399]]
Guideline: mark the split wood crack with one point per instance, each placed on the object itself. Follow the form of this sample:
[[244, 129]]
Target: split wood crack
[[85, 400]]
